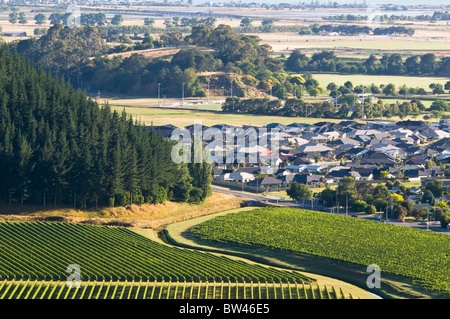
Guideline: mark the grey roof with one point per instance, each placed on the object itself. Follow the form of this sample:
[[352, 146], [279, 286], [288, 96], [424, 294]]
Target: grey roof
[[266, 181]]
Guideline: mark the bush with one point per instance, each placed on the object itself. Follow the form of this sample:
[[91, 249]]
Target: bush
[[55, 219], [359, 206], [371, 209], [196, 195], [445, 219]]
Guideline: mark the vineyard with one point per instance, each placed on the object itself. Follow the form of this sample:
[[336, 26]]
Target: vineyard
[[167, 290], [412, 253], [117, 263]]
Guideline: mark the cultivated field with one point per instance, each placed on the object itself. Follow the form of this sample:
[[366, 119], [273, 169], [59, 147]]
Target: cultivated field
[[357, 79], [29, 289], [178, 233], [420, 257], [151, 270]]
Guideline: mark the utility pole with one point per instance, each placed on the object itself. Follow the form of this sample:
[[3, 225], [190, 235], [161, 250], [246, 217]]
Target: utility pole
[[335, 99], [337, 202]]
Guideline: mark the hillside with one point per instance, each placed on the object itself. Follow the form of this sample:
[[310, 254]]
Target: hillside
[[420, 257], [59, 147]]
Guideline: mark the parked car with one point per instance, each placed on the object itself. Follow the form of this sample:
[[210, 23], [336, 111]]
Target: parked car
[[423, 223]]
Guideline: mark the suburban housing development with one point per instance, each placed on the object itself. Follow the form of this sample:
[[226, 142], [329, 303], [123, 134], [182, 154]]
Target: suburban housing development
[[324, 153]]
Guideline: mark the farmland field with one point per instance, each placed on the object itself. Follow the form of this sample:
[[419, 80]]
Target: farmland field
[[44, 250], [356, 79], [421, 256], [146, 289], [116, 263], [183, 118]]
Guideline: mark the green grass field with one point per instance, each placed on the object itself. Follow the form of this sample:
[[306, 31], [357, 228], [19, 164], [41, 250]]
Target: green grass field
[[181, 118], [401, 251]]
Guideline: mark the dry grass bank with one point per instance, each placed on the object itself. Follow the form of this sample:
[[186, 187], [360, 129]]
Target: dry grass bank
[[145, 216]]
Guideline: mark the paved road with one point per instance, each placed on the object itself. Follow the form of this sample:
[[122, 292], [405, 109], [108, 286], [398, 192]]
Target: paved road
[[288, 203]]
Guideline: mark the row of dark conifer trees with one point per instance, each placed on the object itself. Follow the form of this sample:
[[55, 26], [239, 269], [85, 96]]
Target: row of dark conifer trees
[[59, 147]]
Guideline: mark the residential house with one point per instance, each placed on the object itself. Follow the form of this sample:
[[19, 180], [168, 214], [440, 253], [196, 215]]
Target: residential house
[[417, 174], [343, 141], [373, 157], [165, 130], [435, 134], [266, 182], [309, 179], [315, 138], [365, 174], [313, 148], [417, 159], [401, 132], [411, 124], [236, 176], [388, 148], [441, 145], [333, 135]]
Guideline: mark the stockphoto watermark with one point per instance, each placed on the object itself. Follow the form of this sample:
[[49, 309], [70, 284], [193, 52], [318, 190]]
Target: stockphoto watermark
[[225, 145], [374, 279], [73, 16], [74, 279]]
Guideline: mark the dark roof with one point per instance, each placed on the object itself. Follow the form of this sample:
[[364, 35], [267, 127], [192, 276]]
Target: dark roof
[[410, 124], [441, 145], [348, 123], [276, 125], [415, 149], [265, 181], [305, 179], [220, 171], [417, 159], [417, 172], [378, 158], [164, 130], [340, 173]]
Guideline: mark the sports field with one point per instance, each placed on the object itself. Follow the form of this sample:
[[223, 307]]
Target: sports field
[[181, 118]]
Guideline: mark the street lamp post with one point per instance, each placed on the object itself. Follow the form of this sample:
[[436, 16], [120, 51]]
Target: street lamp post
[[209, 80], [159, 94], [182, 94], [231, 88]]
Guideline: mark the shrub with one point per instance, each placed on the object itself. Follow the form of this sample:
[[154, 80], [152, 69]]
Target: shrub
[[359, 206], [371, 209]]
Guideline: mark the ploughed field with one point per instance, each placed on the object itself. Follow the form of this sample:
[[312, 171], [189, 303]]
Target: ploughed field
[[413, 253]]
